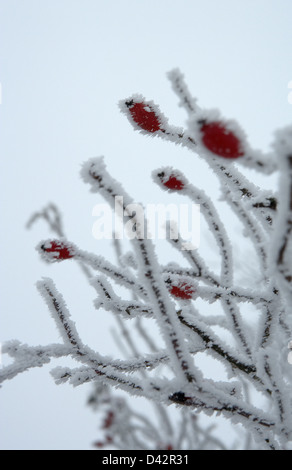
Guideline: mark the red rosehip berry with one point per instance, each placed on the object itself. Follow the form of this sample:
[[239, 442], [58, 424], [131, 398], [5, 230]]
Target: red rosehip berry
[[182, 290], [174, 183], [108, 422], [99, 444], [144, 116], [57, 250], [220, 140]]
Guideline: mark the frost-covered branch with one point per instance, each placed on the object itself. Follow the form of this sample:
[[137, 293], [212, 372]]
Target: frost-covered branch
[[202, 315]]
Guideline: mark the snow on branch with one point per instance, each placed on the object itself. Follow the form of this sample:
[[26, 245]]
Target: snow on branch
[[282, 234], [201, 314]]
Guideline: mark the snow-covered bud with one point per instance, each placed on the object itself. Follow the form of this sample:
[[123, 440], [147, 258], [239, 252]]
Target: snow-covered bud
[[219, 139], [170, 179], [55, 250], [144, 115]]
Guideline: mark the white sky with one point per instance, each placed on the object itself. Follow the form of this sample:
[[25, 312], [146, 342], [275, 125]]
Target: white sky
[[64, 65]]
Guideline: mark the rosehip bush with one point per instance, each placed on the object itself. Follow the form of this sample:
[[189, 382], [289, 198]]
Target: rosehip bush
[[253, 391]]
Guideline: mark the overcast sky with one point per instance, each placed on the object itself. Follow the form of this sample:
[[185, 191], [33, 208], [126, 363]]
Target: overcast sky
[[64, 65]]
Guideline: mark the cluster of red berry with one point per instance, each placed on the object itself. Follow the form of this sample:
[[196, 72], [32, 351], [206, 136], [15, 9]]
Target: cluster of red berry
[[216, 137]]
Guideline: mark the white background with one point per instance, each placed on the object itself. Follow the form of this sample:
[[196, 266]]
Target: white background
[[64, 65]]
